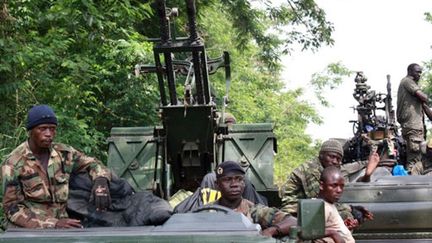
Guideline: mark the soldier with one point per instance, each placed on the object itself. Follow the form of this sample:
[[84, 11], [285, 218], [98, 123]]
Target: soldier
[[36, 176], [410, 101], [230, 181], [331, 188], [303, 182]]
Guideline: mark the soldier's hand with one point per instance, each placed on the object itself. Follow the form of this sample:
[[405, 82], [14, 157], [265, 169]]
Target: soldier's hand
[[270, 232], [351, 223], [67, 223], [101, 194], [362, 213]]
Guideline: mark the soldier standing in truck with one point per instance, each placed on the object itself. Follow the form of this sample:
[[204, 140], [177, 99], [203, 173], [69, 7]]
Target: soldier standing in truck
[[36, 177], [410, 115]]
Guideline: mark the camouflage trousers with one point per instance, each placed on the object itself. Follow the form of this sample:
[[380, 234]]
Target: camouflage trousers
[[413, 139]]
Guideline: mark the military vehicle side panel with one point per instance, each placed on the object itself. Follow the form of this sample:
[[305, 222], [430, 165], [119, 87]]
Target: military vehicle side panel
[[191, 227], [311, 218], [129, 234], [208, 224], [253, 145], [402, 206], [132, 155]]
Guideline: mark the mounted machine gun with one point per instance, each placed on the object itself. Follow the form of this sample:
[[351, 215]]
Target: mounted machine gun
[[193, 137], [375, 127]]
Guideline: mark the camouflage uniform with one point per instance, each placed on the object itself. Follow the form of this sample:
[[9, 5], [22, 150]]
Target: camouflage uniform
[[410, 116], [35, 198], [260, 214], [303, 183]]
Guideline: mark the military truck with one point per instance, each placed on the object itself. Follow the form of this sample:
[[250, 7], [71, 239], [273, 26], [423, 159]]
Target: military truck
[[401, 204], [193, 138]]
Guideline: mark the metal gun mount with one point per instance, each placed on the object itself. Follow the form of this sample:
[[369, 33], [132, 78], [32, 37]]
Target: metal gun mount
[[371, 128], [197, 67], [190, 124], [369, 102], [361, 88]]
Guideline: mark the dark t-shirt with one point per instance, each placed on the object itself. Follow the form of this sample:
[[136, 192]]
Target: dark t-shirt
[[409, 107]]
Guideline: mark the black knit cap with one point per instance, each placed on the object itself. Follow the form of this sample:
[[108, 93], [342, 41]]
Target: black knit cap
[[226, 167], [40, 114]]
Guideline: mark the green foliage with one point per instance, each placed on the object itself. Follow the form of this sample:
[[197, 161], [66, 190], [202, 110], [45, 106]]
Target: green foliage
[[275, 28], [256, 95], [426, 79], [299, 22], [78, 56], [328, 79]]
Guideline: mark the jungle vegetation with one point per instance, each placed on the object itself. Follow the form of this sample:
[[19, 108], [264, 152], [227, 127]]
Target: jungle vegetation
[[78, 56]]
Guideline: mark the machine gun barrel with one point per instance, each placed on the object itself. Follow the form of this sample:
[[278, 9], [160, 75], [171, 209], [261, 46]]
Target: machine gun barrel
[[164, 24], [389, 105], [191, 12]]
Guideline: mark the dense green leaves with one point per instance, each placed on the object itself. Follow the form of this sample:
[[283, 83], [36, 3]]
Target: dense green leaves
[[78, 56], [257, 94], [328, 79]]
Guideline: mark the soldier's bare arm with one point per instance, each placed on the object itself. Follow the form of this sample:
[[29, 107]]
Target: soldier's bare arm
[[421, 96], [372, 164]]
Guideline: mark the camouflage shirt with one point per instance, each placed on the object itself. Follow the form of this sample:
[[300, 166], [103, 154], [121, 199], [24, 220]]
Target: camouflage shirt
[[303, 183], [35, 198], [409, 108], [260, 214]]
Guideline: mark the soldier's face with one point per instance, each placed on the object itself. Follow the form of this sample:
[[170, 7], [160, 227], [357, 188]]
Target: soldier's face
[[332, 188], [330, 159], [416, 72], [231, 186], [43, 135]]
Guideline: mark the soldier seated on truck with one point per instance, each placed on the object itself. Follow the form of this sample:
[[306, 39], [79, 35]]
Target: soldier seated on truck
[[331, 188], [208, 193], [303, 182], [36, 176], [230, 180]]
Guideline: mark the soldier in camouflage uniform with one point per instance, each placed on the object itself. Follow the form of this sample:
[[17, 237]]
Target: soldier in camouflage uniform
[[410, 100], [36, 176], [230, 182], [303, 182]]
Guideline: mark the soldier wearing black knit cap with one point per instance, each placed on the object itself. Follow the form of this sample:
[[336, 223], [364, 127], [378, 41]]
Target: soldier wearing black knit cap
[[303, 182], [36, 176]]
